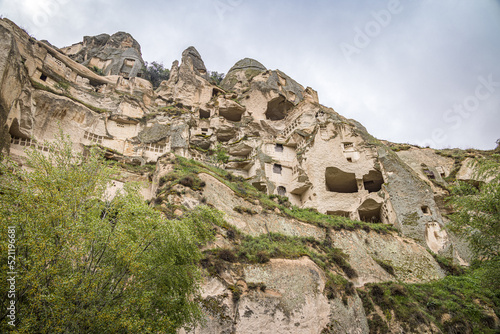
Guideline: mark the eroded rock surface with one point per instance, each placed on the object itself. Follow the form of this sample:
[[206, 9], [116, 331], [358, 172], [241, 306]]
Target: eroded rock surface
[[265, 128]]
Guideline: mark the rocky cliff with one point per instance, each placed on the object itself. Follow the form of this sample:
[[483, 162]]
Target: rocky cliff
[[363, 210]]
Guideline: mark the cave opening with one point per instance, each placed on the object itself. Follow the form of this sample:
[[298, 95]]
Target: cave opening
[[373, 181], [425, 210], [281, 191], [15, 130], [277, 168], [216, 92], [369, 211], [277, 108], [204, 114], [339, 181], [231, 114], [429, 174]]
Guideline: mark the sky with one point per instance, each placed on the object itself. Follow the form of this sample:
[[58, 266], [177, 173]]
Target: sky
[[420, 72]]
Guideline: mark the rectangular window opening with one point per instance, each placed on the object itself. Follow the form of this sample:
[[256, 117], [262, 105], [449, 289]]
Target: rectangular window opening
[[277, 168], [348, 145]]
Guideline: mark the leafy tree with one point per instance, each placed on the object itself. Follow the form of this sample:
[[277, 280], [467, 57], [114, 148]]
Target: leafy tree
[[477, 216], [156, 73], [87, 263], [215, 77]]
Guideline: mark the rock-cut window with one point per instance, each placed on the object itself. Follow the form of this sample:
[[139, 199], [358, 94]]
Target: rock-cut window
[[281, 191], [277, 168]]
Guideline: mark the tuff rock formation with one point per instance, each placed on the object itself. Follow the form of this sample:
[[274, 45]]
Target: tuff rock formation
[[118, 54], [278, 137]]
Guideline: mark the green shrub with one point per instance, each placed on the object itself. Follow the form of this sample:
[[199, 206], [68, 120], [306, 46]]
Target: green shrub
[[64, 85], [462, 297], [337, 286], [155, 73], [97, 70], [215, 78]]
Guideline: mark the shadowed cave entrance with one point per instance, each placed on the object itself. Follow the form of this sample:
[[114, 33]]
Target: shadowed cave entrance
[[369, 211], [231, 114], [15, 130], [204, 114], [339, 181], [277, 108], [373, 181]]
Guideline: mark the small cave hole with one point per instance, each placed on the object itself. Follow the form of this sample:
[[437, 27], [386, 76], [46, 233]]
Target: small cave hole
[[348, 145], [373, 181], [426, 210], [281, 191], [232, 114], [277, 168], [204, 113], [429, 174]]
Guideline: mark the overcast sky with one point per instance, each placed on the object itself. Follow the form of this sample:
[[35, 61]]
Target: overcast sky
[[419, 72]]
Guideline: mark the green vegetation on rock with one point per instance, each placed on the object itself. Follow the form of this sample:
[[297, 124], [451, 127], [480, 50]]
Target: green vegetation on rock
[[87, 263], [215, 78], [455, 304], [262, 248], [477, 217], [155, 73], [241, 188]]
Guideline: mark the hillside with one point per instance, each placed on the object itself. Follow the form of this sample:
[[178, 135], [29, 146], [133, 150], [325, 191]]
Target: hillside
[[326, 228]]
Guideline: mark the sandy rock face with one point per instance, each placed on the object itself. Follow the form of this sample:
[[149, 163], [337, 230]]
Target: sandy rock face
[[411, 262], [15, 97], [264, 128], [276, 133], [299, 305], [118, 54], [242, 73], [188, 82], [292, 301], [222, 197]]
